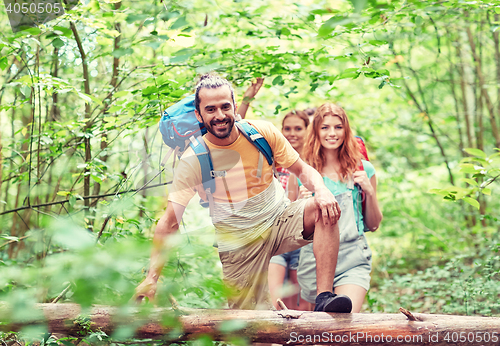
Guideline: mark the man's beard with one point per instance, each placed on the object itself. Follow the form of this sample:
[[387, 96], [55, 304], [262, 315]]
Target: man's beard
[[212, 125]]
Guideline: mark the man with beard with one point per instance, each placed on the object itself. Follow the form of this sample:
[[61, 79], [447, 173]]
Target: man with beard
[[253, 218]]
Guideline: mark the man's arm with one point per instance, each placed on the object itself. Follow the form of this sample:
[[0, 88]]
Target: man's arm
[[327, 206], [167, 225]]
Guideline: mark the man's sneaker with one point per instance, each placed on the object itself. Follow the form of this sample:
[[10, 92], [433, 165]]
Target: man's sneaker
[[330, 302]]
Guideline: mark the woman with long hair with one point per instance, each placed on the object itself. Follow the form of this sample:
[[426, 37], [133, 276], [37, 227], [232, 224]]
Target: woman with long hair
[[331, 148]]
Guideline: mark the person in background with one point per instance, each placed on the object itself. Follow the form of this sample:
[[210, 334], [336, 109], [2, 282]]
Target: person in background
[[332, 149], [281, 267]]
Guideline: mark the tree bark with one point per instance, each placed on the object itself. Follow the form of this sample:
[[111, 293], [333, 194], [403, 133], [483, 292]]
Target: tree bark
[[463, 88], [113, 83], [497, 60], [86, 84], [282, 327], [483, 90], [55, 113], [455, 98]]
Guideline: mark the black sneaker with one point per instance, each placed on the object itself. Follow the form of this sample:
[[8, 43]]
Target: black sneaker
[[330, 302]]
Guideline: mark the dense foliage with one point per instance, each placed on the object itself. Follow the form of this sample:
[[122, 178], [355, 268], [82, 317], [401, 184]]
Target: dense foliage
[[82, 180]]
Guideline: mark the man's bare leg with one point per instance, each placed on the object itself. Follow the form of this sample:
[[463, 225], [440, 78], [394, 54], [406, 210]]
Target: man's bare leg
[[326, 250]]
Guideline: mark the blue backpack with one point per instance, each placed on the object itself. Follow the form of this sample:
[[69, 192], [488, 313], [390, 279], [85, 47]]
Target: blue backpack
[[180, 128]]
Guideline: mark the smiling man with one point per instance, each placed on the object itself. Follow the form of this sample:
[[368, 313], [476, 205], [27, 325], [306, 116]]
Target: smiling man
[[253, 218]]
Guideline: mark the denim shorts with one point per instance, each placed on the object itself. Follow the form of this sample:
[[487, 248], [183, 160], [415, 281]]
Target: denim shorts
[[288, 260]]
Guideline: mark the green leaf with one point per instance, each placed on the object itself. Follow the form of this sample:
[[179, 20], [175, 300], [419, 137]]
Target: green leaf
[[475, 152], [486, 191], [121, 93], [113, 109], [349, 73], [3, 62], [180, 58], [472, 202], [468, 168], [121, 52], [497, 10], [332, 23], [96, 178], [9, 237], [277, 109], [72, 200], [377, 42], [89, 98], [155, 44], [149, 90], [61, 30], [359, 5], [32, 31], [278, 80], [285, 31], [439, 192], [58, 43], [322, 11], [179, 23], [470, 181], [136, 18]]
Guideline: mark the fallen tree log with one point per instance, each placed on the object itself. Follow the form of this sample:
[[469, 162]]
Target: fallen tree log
[[282, 327]]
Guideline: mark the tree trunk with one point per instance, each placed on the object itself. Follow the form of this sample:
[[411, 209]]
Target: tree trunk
[[455, 99], [113, 83], [482, 88], [497, 60], [86, 84], [282, 327], [55, 113], [463, 88]]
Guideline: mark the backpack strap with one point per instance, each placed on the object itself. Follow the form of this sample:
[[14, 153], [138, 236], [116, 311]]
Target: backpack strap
[[254, 137], [362, 148], [361, 202], [207, 169]]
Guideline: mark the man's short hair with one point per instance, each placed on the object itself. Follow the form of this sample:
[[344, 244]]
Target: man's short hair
[[210, 81]]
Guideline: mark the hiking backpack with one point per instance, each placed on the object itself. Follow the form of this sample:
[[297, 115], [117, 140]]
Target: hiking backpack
[[180, 128]]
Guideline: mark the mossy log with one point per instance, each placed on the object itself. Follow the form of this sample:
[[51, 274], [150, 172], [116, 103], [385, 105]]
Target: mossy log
[[281, 327]]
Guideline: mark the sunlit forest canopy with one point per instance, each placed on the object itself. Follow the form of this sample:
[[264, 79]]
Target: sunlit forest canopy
[[83, 177]]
